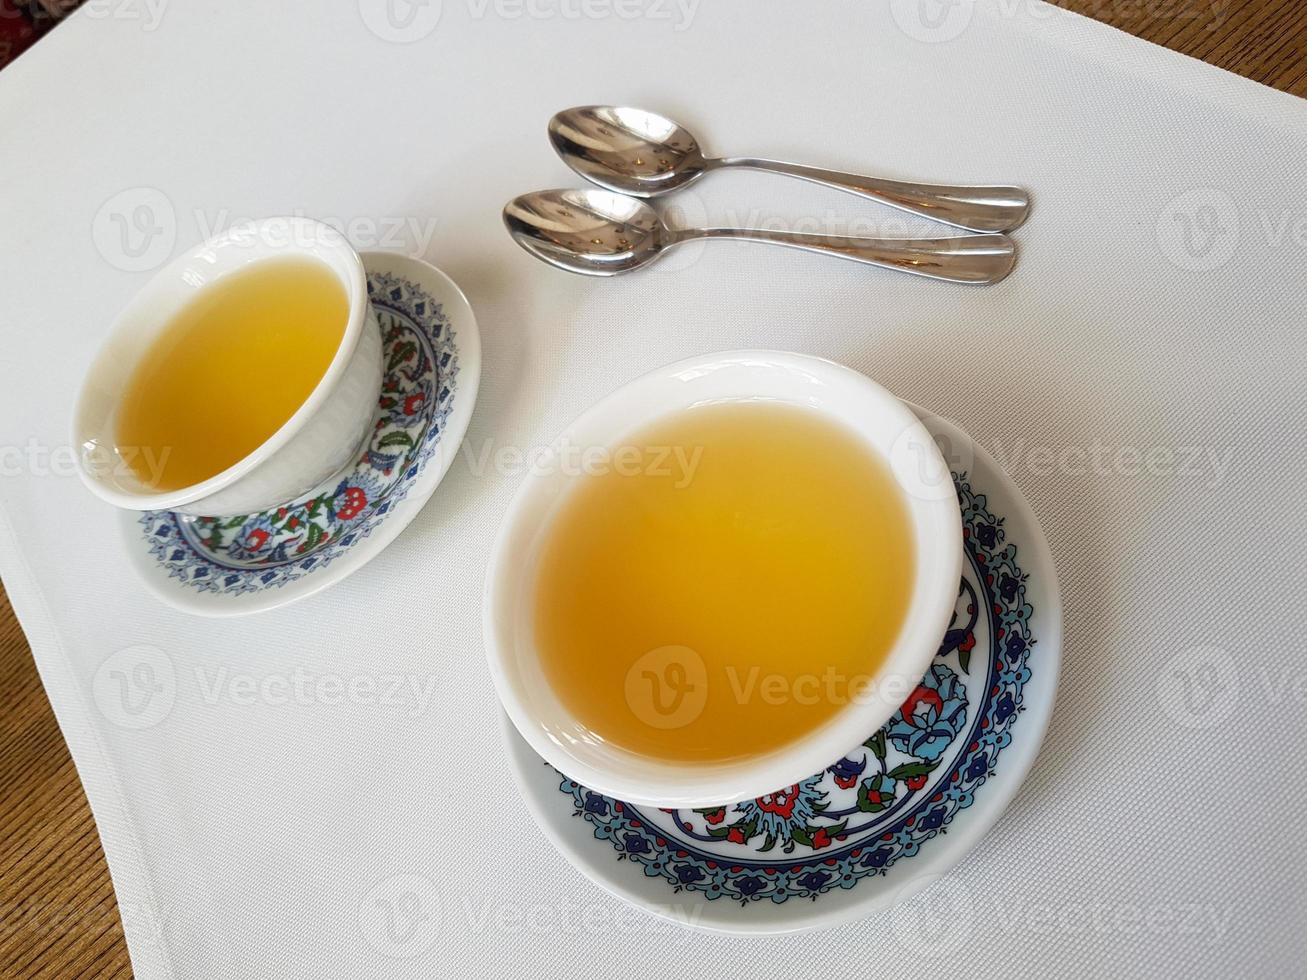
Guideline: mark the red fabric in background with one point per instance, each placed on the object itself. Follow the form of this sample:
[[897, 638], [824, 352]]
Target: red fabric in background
[[17, 32], [22, 22]]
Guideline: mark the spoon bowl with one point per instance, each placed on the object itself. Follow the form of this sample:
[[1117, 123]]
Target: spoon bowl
[[594, 233], [631, 151]]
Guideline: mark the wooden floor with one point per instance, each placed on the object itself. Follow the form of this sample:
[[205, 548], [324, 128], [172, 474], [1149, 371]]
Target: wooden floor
[[56, 902], [1265, 40]]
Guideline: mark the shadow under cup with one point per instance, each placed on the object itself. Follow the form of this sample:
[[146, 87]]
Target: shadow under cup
[[318, 441]]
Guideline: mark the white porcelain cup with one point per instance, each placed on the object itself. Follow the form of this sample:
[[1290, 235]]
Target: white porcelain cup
[[318, 442], [887, 427]]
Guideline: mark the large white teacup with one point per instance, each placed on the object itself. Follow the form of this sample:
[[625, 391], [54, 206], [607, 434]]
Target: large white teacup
[[882, 422]]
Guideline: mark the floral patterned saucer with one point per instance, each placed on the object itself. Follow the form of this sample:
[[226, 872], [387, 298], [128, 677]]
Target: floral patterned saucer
[[432, 366], [893, 813]]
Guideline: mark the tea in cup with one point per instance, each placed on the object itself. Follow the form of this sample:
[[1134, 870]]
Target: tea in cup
[[744, 569], [245, 374]]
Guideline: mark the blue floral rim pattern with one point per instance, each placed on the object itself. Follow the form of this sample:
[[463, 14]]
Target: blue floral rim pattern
[[257, 552], [885, 799]]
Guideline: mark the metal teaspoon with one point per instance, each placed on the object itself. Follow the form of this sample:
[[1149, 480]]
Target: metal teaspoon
[[641, 153], [599, 233]]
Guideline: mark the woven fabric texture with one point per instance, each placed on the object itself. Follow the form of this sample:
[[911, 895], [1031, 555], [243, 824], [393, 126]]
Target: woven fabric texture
[[1141, 375]]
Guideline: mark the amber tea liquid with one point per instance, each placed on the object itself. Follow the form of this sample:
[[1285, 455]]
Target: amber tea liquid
[[229, 370], [783, 556]]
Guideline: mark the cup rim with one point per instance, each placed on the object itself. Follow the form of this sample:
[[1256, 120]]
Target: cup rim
[[355, 283], [649, 781]]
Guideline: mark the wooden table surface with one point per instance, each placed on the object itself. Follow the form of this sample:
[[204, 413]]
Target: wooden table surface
[[57, 908]]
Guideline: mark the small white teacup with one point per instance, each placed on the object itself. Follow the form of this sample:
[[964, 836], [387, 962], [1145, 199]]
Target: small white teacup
[[317, 442]]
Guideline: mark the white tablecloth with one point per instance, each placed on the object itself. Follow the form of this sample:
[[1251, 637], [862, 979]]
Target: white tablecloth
[[1141, 375]]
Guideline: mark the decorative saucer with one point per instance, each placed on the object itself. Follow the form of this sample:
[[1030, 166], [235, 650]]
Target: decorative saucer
[[432, 366], [893, 813]]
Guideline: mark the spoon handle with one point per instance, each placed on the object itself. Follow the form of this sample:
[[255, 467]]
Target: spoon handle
[[968, 258], [973, 207]]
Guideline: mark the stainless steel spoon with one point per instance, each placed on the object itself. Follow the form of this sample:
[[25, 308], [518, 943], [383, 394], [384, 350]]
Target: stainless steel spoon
[[635, 152], [599, 233]]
